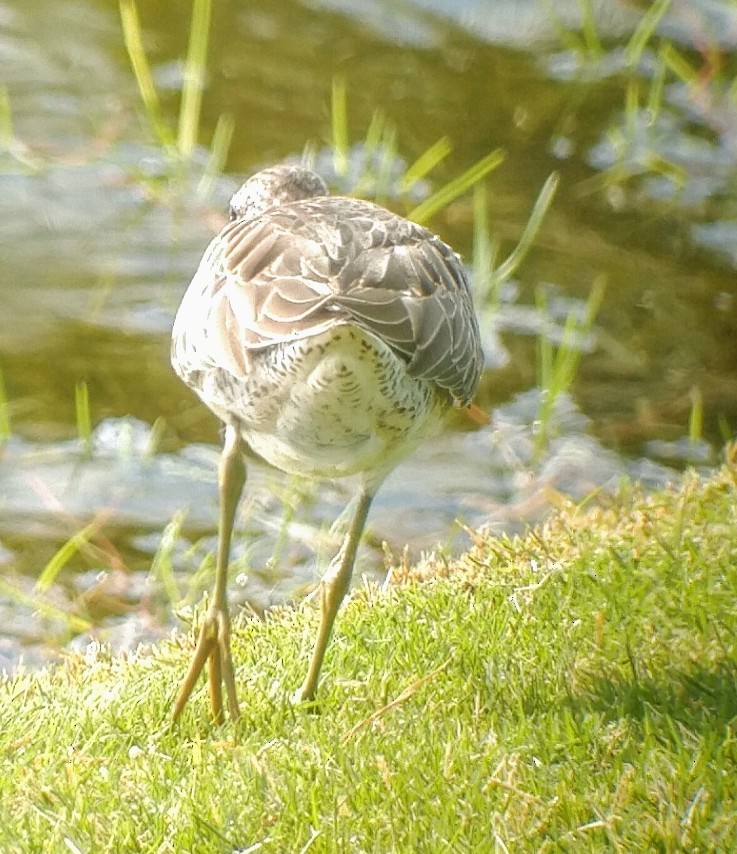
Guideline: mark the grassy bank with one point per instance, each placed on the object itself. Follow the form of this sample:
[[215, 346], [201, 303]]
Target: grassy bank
[[574, 689]]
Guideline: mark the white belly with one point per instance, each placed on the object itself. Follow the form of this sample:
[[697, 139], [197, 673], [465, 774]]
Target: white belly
[[331, 405]]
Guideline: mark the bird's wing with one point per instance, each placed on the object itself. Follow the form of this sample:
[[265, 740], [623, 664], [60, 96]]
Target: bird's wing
[[297, 269], [410, 289]]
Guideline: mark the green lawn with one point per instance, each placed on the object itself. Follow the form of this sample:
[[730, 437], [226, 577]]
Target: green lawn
[[573, 689]]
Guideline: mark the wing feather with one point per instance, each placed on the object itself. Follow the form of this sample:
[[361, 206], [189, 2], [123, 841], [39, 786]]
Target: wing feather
[[296, 269]]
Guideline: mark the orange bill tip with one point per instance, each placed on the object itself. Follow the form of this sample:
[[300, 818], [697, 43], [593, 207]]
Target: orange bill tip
[[476, 414]]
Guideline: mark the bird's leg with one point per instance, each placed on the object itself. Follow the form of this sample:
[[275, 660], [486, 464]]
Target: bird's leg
[[333, 588], [213, 642]]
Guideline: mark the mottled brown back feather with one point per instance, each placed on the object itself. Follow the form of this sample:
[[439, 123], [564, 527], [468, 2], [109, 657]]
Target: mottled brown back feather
[[296, 269]]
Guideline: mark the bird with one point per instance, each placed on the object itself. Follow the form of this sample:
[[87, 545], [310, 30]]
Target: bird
[[330, 336]]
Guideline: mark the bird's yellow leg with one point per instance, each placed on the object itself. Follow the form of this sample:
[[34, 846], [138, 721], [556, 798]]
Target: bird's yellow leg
[[333, 588], [213, 642]]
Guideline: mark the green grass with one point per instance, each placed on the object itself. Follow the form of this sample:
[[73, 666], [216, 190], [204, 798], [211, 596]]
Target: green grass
[[5, 430], [84, 417], [381, 138], [573, 689], [558, 365], [653, 71], [179, 143]]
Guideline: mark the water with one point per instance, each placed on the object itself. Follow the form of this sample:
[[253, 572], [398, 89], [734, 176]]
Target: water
[[97, 249]]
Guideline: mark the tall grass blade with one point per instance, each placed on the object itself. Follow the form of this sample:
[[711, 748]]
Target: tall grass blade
[[567, 37], [133, 39], [373, 144], [387, 159], [64, 554], [644, 31], [339, 125], [558, 366], [588, 29], [457, 187], [725, 430], [162, 567], [655, 95], [194, 78], [4, 411], [696, 418], [291, 498], [545, 351], [218, 155], [44, 608], [508, 267], [7, 135], [673, 59], [425, 163], [84, 419], [374, 133], [631, 112], [678, 175], [485, 283]]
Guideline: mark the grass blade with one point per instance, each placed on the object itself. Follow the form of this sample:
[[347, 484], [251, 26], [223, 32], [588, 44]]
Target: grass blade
[[218, 155], [558, 366], [425, 163], [194, 78], [508, 267], [674, 60], [485, 282], [4, 411], [7, 135], [588, 29], [339, 125], [644, 31], [133, 39], [46, 609], [162, 566], [457, 187], [64, 554], [84, 419], [696, 418]]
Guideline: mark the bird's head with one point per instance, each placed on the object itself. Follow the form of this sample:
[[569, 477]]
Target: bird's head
[[274, 186]]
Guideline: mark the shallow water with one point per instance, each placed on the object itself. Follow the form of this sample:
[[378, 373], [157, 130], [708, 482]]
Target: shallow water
[[97, 249]]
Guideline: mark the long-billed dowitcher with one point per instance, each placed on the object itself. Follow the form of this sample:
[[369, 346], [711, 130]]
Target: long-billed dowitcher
[[329, 335]]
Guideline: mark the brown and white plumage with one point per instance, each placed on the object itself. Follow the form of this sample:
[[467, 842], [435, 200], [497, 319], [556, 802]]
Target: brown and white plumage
[[330, 335]]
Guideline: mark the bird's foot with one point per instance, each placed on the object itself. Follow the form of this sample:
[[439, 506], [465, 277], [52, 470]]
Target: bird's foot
[[213, 648], [297, 698], [305, 696]]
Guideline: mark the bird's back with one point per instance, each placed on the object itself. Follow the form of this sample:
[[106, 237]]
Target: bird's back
[[274, 290], [299, 268]]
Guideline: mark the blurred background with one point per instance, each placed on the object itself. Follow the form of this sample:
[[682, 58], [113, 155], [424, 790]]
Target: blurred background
[[611, 347]]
